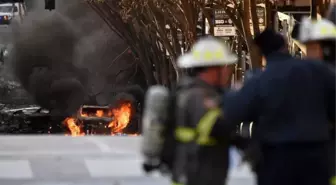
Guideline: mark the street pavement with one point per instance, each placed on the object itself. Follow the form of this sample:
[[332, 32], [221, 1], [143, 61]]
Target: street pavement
[[5, 34], [89, 160]]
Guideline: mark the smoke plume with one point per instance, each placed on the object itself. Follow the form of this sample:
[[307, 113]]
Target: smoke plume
[[42, 61], [61, 57]]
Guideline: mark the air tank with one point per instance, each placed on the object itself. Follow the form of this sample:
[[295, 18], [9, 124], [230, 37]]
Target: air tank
[[153, 123]]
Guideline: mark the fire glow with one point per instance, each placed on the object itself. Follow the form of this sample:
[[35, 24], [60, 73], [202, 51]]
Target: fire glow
[[121, 117], [72, 126]]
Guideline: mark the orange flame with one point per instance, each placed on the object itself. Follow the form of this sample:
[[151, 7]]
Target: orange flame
[[84, 115], [74, 129], [121, 117], [99, 113]]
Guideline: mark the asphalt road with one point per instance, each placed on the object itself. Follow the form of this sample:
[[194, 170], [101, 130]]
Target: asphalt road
[[5, 34], [89, 160]]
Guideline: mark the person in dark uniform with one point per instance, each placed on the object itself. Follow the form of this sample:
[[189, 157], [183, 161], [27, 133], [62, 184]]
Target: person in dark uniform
[[201, 159], [323, 48], [290, 101]]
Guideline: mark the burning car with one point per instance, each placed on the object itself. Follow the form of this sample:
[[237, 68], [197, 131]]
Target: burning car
[[94, 119], [94, 113]]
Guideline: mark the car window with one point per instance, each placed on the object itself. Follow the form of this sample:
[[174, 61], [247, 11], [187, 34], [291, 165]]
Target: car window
[[16, 9], [6, 9]]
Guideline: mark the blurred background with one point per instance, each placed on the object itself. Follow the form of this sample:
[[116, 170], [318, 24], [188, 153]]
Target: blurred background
[[62, 55]]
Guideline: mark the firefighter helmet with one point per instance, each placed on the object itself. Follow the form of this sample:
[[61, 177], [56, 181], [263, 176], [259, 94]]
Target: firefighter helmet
[[208, 52], [316, 30]]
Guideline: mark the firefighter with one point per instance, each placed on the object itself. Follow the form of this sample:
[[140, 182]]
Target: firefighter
[[289, 100], [320, 38], [200, 158]]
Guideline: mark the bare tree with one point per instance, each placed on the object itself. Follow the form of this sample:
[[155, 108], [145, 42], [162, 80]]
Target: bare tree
[[241, 12], [159, 31], [110, 13]]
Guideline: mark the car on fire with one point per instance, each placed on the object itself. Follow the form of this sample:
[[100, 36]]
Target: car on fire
[[96, 119], [90, 119], [95, 113]]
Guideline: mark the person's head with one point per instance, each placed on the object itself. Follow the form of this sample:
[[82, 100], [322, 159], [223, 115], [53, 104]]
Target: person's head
[[319, 36], [270, 42], [210, 60], [218, 76]]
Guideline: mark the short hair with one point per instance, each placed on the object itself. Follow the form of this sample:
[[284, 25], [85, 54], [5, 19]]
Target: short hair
[[269, 41]]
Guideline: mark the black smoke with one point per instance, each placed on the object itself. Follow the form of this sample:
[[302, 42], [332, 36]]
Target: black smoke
[[66, 58], [42, 60]]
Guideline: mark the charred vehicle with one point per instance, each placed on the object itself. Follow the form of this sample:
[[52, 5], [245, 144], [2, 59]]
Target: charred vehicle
[[26, 120], [94, 119], [90, 119]]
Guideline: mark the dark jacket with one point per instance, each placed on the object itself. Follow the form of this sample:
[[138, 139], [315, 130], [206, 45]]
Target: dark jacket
[[290, 101], [332, 111], [199, 164]]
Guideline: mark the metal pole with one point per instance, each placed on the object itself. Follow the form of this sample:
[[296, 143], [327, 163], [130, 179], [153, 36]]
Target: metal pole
[[203, 24], [313, 9], [275, 17]]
